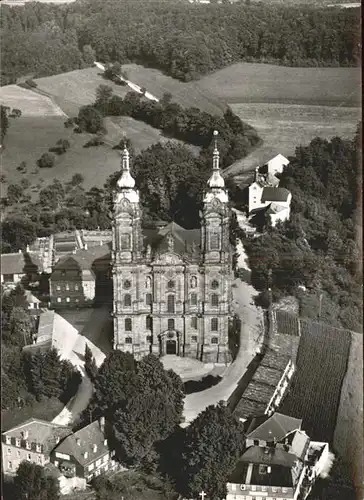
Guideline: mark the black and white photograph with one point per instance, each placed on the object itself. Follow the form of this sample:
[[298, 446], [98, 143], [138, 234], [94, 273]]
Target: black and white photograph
[[181, 250]]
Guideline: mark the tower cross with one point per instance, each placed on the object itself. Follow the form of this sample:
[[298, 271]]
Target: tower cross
[[202, 495]]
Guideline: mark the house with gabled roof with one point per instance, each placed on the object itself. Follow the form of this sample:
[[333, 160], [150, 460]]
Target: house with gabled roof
[[33, 440], [280, 461], [19, 265], [85, 453]]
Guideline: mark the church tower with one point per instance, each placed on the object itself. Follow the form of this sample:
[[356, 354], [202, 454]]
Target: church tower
[[126, 250], [216, 261]]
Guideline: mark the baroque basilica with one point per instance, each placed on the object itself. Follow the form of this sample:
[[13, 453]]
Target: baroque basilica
[[172, 286]]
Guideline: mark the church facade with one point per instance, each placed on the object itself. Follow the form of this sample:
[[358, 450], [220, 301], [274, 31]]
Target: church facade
[[172, 286]]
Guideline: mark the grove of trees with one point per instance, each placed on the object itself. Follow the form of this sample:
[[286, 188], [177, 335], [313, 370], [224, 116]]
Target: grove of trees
[[319, 247], [182, 40]]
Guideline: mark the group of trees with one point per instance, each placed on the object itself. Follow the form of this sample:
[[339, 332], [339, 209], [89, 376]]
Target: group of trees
[[28, 376], [182, 40], [143, 404], [319, 247]]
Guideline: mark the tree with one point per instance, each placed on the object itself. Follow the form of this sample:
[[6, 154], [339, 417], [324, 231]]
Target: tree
[[103, 97], [47, 160], [90, 119], [63, 145], [52, 196], [90, 364], [18, 232], [213, 443], [77, 179], [88, 54], [21, 326], [32, 483], [14, 193], [4, 123]]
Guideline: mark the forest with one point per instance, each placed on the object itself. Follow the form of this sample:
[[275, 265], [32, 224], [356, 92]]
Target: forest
[[44, 39], [318, 251]]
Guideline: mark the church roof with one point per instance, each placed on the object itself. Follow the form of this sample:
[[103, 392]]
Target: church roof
[[183, 239]]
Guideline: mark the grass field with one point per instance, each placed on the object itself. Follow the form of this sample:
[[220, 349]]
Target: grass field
[[283, 127], [321, 367], [30, 103], [268, 83], [348, 437], [76, 88]]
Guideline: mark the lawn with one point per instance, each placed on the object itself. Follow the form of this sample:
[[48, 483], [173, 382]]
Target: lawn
[[322, 363], [29, 102], [47, 409], [268, 83]]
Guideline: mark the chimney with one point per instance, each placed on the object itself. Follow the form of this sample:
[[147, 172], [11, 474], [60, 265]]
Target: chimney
[[85, 455], [94, 448], [25, 434], [102, 424], [78, 441]]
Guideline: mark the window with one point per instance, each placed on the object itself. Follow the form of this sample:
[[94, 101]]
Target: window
[[194, 322], [10, 465], [125, 241], [284, 490], [76, 288], [126, 285], [128, 340], [18, 453], [170, 304], [17, 442], [214, 324], [105, 458], [98, 462], [148, 299], [76, 300], [59, 299], [214, 300], [9, 451], [214, 241], [149, 339], [148, 282], [39, 460], [8, 278], [63, 273], [29, 456], [58, 288], [256, 442], [193, 299], [214, 340], [214, 284], [193, 282], [127, 324], [193, 339], [8, 440], [171, 284], [91, 467], [148, 322], [67, 299], [171, 324], [67, 286], [127, 300]]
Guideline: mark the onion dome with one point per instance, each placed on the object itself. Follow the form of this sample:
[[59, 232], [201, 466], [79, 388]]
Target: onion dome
[[126, 181]]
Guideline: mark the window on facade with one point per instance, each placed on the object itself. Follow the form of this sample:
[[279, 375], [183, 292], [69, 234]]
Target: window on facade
[[18, 453], [148, 299], [256, 442], [29, 456], [8, 278], [193, 339], [39, 460], [128, 325], [10, 465], [149, 339], [126, 284], [58, 287], [76, 288], [214, 284], [17, 442], [9, 451], [193, 282], [214, 241], [214, 300], [214, 324], [91, 467], [8, 440], [98, 462], [170, 304], [194, 322], [148, 282], [67, 286], [127, 300], [128, 340], [214, 340], [148, 322], [125, 241], [171, 284], [63, 273], [59, 299], [171, 324], [76, 300], [193, 299], [67, 299]]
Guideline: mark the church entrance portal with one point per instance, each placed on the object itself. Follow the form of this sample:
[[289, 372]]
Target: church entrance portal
[[171, 347]]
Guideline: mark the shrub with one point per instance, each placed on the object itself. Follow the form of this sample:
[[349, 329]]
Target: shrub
[[47, 160], [69, 122], [31, 83]]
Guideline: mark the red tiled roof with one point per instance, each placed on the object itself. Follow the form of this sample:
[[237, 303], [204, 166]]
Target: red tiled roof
[[275, 428], [17, 263], [274, 194]]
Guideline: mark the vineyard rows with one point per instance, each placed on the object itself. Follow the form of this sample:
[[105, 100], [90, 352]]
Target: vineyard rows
[[321, 366]]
